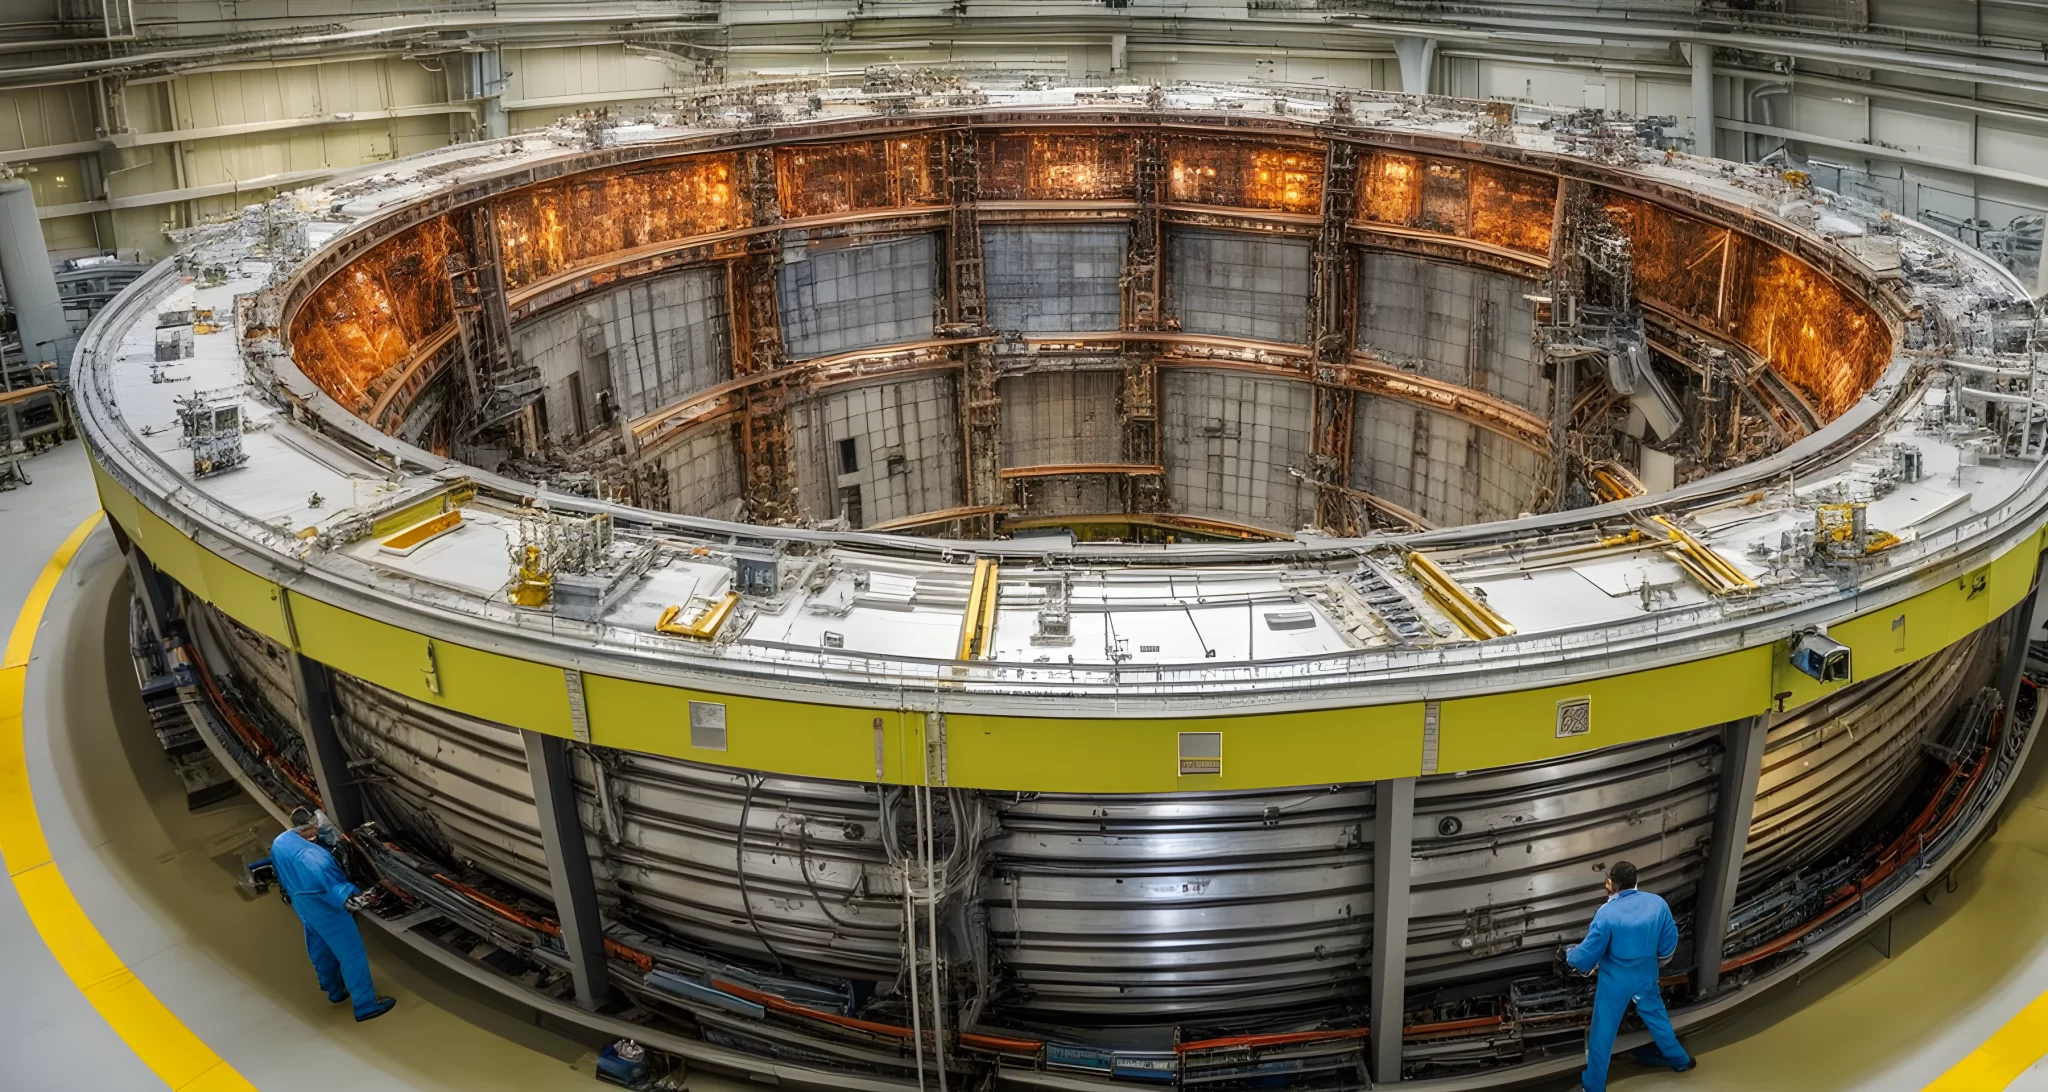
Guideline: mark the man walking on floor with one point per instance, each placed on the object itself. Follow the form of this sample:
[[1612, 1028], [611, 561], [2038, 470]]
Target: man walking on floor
[[322, 895], [1631, 937]]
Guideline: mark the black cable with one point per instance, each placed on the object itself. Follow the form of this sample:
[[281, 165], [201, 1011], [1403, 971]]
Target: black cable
[[739, 864]]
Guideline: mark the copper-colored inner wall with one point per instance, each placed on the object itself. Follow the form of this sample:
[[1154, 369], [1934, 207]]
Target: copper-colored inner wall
[[557, 226], [1817, 335], [359, 329], [1056, 167], [858, 176], [1244, 174], [356, 332], [1490, 204]]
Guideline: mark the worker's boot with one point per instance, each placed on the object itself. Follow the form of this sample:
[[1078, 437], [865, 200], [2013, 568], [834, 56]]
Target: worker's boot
[[384, 1005]]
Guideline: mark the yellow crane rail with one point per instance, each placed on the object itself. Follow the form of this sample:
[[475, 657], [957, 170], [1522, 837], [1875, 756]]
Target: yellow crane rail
[[978, 625], [1703, 564], [1471, 614]]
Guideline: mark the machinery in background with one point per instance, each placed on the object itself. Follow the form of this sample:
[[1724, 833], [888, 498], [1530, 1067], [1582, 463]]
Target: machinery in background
[[212, 428]]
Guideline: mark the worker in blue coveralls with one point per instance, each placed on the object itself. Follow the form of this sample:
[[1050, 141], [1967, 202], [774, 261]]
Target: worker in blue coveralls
[[1631, 937], [323, 897]]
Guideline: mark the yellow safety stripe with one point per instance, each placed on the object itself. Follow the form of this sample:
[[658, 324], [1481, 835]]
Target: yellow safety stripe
[[2009, 1052], [158, 1037]]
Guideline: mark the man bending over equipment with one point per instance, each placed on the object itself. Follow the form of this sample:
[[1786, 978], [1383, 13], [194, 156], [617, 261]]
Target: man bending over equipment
[[322, 895]]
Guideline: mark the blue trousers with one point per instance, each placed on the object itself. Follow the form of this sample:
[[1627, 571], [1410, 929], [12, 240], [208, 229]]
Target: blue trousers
[[336, 948], [1611, 998]]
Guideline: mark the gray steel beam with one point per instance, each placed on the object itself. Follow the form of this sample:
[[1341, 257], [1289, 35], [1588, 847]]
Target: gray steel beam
[[2022, 629], [1393, 836], [1703, 99], [561, 834], [1742, 763], [340, 797], [147, 582]]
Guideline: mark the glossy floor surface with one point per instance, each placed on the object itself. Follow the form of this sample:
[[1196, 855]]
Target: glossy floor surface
[[158, 883]]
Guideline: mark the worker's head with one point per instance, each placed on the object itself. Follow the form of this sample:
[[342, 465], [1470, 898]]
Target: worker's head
[[1621, 876], [305, 823]]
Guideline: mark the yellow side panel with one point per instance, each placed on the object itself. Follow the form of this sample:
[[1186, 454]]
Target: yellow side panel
[[1504, 729], [177, 555], [1890, 637], [510, 691], [120, 505], [787, 737], [245, 597], [1259, 751]]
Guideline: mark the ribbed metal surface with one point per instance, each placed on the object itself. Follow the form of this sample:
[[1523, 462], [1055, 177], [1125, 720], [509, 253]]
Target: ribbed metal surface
[[1199, 902], [1145, 908], [1509, 861], [820, 895]]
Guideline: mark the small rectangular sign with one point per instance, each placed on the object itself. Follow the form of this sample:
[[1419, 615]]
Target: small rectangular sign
[[1574, 717], [1201, 753], [707, 725]]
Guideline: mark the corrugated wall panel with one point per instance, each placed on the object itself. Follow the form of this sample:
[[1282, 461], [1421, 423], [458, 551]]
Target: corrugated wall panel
[[1239, 285], [857, 297], [1442, 468], [1054, 279], [896, 444], [1055, 418], [1454, 323], [1231, 441]]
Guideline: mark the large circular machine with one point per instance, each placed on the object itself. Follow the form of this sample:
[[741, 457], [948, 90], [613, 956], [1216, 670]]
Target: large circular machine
[[1078, 588]]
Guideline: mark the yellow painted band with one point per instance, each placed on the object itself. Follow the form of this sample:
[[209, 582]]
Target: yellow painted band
[[2009, 1052], [158, 1037], [1075, 754]]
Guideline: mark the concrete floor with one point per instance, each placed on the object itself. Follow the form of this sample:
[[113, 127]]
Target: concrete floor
[[158, 882]]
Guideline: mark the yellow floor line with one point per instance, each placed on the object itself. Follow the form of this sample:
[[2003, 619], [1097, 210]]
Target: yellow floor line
[[2010, 1051], [160, 1039]]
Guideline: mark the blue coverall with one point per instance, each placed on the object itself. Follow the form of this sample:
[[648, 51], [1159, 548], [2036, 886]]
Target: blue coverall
[[1631, 937], [313, 880]]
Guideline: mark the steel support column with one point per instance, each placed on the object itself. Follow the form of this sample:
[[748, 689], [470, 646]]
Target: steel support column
[[1703, 99], [1393, 820], [2020, 632], [561, 834], [1138, 400], [1742, 763], [755, 307], [148, 583], [340, 796], [1418, 63], [1333, 310], [980, 407]]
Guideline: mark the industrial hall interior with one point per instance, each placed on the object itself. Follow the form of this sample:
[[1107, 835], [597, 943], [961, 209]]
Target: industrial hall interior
[[1023, 545]]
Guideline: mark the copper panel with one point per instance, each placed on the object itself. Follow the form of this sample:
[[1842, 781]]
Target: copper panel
[[1513, 209], [857, 175], [1446, 205], [371, 316], [1490, 204], [557, 226], [1056, 167], [1393, 189], [1244, 174], [1677, 257], [1818, 336]]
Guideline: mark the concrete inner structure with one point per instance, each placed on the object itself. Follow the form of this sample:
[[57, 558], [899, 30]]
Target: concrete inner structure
[[973, 569]]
